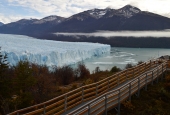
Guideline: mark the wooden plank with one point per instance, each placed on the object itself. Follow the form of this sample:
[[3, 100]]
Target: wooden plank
[[74, 101], [61, 102], [74, 96], [38, 111], [57, 109], [90, 89]]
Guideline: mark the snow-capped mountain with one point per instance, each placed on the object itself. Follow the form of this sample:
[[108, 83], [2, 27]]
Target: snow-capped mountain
[[125, 18], [26, 21], [52, 19], [128, 11], [1, 24], [98, 13], [89, 14]]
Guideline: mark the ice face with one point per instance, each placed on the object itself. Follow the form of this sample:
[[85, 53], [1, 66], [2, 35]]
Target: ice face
[[48, 52]]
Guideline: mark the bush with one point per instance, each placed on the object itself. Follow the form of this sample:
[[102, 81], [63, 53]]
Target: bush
[[3, 64], [64, 75], [88, 81], [128, 105], [97, 69], [23, 83], [82, 71], [128, 66], [115, 69], [45, 86], [167, 84], [140, 62]]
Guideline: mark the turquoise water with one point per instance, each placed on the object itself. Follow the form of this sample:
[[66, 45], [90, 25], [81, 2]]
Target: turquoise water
[[121, 56]]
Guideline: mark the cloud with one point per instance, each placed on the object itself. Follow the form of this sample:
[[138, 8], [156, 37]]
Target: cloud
[[12, 18], [136, 34], [67, 8]]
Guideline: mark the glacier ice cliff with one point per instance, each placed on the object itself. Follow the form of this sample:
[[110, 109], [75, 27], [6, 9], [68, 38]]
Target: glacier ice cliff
[[48, 52]]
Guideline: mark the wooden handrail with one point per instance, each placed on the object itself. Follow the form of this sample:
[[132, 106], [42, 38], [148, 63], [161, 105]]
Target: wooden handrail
[[122, 93], [100, 86]]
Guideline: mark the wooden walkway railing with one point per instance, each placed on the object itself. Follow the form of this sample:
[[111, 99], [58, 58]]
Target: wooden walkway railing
[[73, 98], [114, 98]]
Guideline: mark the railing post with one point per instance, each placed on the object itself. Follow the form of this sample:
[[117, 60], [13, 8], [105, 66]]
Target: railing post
[[108, 84], [89, 109], [44, 112], [96, 89], [152, 77], [119, 102], [65, 103], [106, 104], [157, 75], [83, 93], [126, 76], [118, 80], [139, 70], [162, 73], [146, 82], [138, 86], [130, 91]]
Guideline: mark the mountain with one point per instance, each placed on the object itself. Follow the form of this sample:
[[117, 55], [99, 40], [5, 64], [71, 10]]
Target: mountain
[[126, 18], [32, 27], [1, 24]]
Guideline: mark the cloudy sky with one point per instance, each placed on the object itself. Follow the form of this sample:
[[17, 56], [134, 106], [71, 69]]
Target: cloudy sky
[[12, 10]]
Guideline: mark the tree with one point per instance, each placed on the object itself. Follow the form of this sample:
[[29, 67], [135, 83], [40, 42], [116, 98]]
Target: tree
[[64, 75], [97, 69], [83, 71], [45, 87], [4, 84], [24, 82], [128, 66], [115, 69], [140, 62], [3, 64]]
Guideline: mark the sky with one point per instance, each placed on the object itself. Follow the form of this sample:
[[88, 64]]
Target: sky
[[13, 10]]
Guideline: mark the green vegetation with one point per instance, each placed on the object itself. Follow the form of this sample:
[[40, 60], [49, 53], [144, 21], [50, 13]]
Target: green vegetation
[[154, 101]]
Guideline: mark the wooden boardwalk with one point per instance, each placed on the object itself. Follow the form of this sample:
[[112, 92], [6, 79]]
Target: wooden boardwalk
[[101, 96]]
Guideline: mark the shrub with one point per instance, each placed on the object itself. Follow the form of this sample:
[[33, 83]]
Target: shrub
[[82, 71], [128, 66], [23, 82], [97, 69], [128, 105], [74, 86], [140, 62], [115, 69], [3, 64], [88, 81], [64, 75]]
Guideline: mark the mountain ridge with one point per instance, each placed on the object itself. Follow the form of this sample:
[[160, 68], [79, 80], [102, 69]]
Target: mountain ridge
[[125, 18]]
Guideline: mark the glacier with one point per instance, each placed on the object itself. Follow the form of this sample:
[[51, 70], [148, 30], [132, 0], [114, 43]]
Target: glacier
[[48, 52]]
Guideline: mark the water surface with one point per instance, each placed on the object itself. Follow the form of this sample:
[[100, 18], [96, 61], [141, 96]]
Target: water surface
[[121, 56]]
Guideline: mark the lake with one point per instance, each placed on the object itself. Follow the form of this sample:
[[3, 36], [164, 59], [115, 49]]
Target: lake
[[121, 56]]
